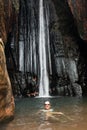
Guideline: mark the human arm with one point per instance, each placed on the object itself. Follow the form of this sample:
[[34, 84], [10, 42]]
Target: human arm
[[57, 113], [60, 113]]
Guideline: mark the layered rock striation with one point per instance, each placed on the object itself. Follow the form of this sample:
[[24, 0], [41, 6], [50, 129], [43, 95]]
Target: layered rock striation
[[6, 97], [7, 104]]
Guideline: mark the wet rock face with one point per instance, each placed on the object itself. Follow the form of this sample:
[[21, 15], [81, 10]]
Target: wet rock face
[[68, 63], [79, 11], [6, 98], [8, 15], [5, 15]]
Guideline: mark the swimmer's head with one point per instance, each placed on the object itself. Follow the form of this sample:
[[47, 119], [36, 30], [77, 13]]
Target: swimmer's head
[[47, 105], [47, 102]]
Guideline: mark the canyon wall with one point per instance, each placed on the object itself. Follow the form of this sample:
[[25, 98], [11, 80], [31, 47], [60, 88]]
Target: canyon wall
[[7, 22], [79, 11]]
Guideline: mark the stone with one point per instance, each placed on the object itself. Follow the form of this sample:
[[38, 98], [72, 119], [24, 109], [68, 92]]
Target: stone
[[77, 89], [79, 11], [6, 97]]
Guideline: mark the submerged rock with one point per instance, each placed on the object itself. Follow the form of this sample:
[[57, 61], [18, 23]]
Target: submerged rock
[[77, 89]]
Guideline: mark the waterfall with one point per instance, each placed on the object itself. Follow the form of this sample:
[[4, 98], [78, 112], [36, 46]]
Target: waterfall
[[44, 80], [39, 48], [21, 57], [34, 42]]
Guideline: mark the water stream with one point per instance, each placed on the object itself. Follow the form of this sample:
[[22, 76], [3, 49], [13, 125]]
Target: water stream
[[44, 80]]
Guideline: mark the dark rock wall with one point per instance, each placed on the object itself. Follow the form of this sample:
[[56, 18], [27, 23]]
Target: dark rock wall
[[79, 11], [70, 38], [5, 18]]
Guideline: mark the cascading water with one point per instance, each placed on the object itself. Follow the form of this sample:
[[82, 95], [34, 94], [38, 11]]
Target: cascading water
[[42, 51], [34, 51], [21, 58], [44, 80]]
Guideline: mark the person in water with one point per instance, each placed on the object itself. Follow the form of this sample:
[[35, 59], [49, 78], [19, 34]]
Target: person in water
[[48, 111]]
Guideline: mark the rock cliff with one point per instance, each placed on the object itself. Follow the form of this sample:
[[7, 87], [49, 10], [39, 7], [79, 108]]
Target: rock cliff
[[6, 97], [79, 11]]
